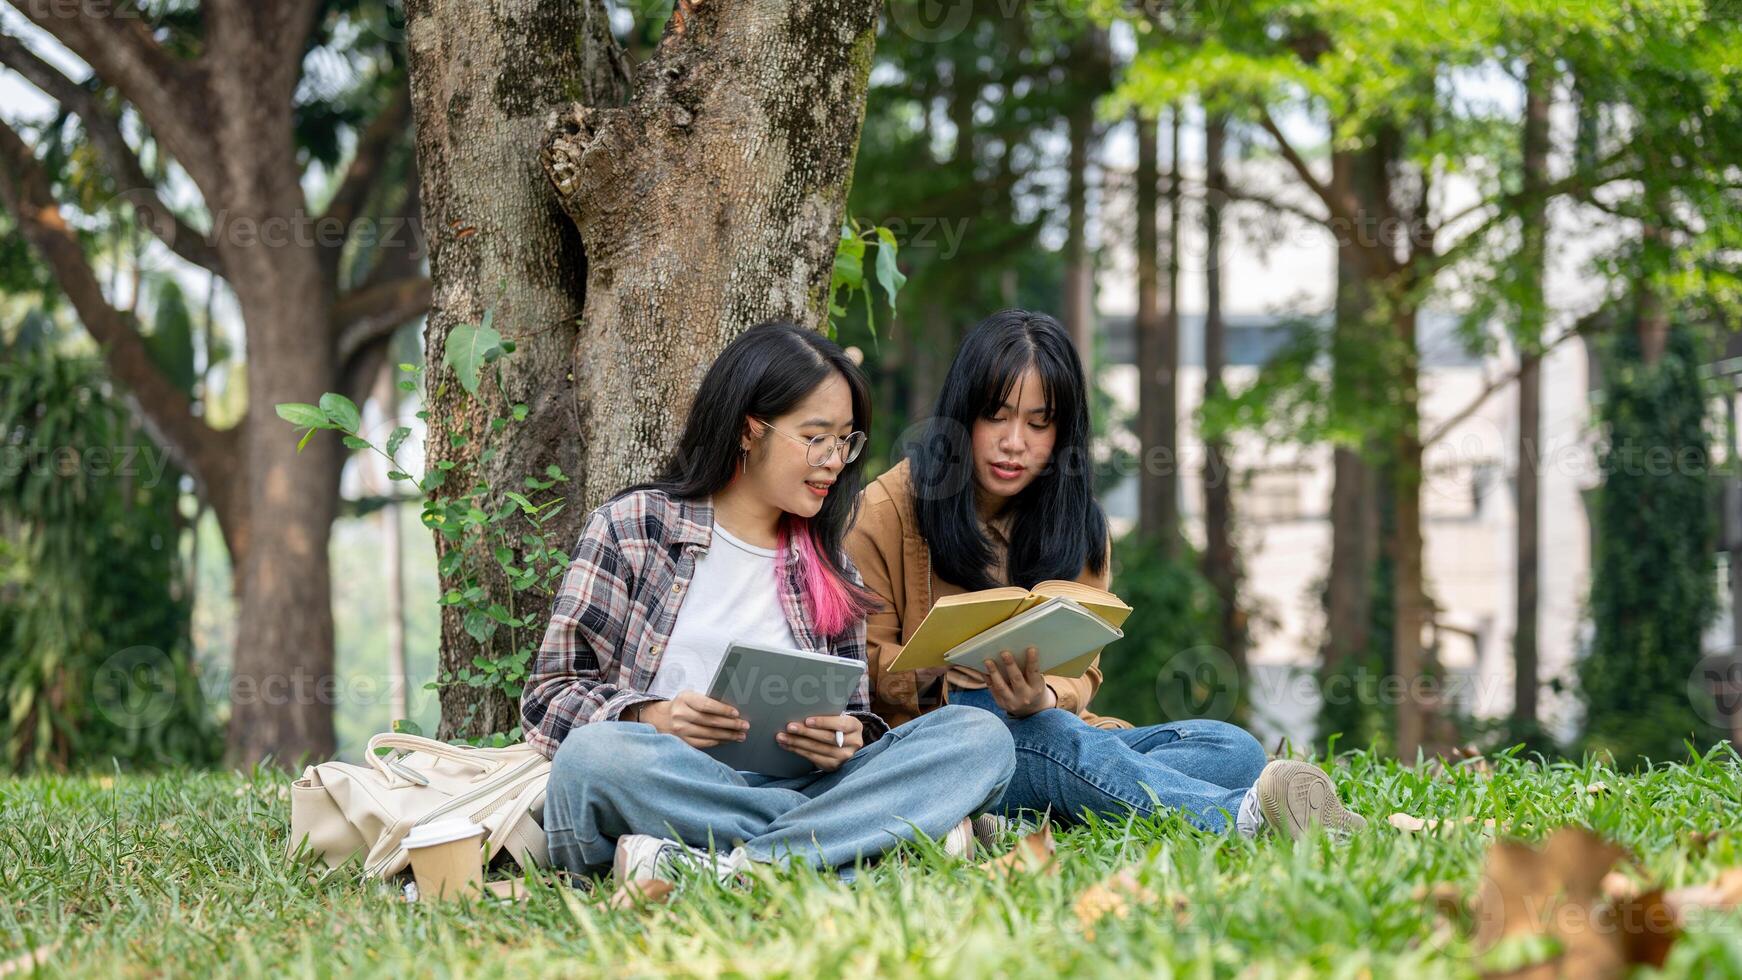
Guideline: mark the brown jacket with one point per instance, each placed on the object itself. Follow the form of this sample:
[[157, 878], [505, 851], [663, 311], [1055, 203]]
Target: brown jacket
[[887, 547]]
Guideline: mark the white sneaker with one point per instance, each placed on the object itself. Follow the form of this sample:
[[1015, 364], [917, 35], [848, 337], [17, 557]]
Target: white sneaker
[[1293, 796], [990, 829], [640, 856], [959, 842]]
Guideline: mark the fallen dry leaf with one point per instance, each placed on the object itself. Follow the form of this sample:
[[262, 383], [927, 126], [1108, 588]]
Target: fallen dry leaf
[[640, 892], [1032, 853], [1113, 896], [1410, 824], [1723, 892], [1560, 891]]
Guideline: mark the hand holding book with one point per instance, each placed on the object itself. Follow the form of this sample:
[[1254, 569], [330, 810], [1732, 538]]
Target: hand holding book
[[1066, 622], [1020, 688]]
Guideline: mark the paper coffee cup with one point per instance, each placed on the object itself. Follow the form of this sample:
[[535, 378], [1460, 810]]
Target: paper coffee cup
[[446, 858]]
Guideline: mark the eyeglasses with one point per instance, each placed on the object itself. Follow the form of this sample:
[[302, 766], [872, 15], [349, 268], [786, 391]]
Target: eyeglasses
[[821, 447]]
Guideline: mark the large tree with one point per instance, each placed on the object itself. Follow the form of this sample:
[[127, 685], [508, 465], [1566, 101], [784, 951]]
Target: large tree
[[217, 89], [619, 225]]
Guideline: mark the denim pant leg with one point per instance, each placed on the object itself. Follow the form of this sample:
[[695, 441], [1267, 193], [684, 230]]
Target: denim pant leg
[[1214, 751], [925, 775], [611, 778], [1067, 766]]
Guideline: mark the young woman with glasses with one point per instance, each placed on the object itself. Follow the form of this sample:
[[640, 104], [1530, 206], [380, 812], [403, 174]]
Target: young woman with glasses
[[738, 539]]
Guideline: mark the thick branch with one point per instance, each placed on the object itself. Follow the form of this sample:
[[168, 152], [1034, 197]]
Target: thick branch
[[133, 185], [1251, 196], [1439, 432], [371, 313], [117, 43], [1339, 208], [373, 146], [164, 409]]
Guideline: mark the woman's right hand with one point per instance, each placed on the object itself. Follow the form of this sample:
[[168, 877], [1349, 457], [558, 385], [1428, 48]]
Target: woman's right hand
[[696, 718]]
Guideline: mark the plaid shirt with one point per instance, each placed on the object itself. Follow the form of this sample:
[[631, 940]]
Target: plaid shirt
[[615, 611]]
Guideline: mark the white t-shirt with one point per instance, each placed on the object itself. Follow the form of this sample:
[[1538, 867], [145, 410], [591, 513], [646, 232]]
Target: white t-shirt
[[733, 596]]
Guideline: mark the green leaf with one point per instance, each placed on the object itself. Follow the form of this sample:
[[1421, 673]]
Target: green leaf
[[520, 412], [306, 436], [341, 411], [302, 415], [468, 347], [889, 275], [504, 554], [397, 439], [407, 726], [849, 261], [478, 626], [356, 443]]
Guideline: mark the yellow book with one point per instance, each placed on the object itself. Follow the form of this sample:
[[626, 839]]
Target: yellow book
[[956, 619]]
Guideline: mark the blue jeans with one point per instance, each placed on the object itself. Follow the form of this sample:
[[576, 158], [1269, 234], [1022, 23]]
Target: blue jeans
[[1063, 764], [614, 778]]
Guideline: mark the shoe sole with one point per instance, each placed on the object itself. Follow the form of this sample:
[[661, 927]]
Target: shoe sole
[[1296, 795]]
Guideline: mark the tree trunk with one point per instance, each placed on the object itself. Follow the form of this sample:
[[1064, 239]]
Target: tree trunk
[[710, 203], [1079, 285], [1158, 342], [1531, 263], [283, 690], [484, 80], [1416, 708], [1148, 328], [1354, 497], [1221, 562]]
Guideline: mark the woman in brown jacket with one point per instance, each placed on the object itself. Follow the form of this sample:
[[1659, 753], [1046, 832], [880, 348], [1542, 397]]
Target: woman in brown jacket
[[999, 492]]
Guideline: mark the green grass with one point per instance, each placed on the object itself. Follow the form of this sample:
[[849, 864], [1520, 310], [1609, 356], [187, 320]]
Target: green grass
[[184, 873]]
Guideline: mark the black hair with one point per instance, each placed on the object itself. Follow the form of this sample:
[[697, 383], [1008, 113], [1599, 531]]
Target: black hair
[[764, 373], [1058, 528]]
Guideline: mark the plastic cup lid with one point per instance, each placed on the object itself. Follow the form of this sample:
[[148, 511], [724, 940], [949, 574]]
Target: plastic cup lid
[[443, 831]]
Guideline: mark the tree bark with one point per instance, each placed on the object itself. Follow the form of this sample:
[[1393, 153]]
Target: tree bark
[[1221, 561], [1079, 285], [1531, 263], [1354, 513], [1158, 341], [1148, 329], [708, 202], [484, 81], [1088, 68]]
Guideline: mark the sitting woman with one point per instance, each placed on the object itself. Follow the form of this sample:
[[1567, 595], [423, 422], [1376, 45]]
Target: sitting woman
[[739, 539], [1000, 493]]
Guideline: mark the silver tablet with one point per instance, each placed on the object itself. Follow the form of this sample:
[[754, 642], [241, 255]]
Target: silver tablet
[[772, 687]]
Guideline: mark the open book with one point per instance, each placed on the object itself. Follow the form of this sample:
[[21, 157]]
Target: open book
[[1068, 623]]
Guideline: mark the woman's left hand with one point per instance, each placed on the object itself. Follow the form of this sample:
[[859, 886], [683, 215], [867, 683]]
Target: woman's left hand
[[815, 740], [1020, 689]]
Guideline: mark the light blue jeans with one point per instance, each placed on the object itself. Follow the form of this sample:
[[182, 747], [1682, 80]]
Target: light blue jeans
[[1201, 767], [614, 778]]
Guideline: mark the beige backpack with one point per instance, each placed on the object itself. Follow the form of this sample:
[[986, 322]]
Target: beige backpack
[[342, 809]]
